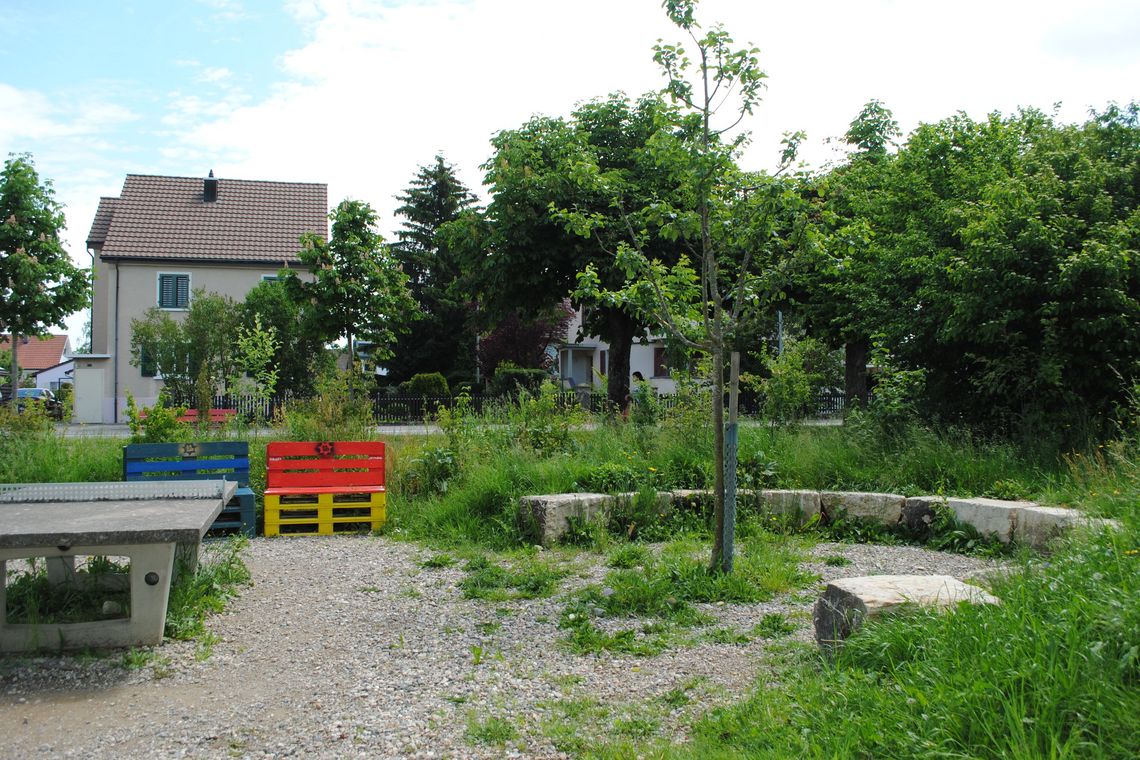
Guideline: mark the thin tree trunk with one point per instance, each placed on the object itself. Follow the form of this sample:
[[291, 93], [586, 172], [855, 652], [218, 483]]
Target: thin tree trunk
[[351, 370], [731, 446], [14, 377], [718, 557]]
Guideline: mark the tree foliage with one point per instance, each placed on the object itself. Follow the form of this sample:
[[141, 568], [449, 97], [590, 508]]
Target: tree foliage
[[357, 290], [525, 259], [999, 257], [183, 351], [39, 284], [443, 339], [300, 355], [523, 342]]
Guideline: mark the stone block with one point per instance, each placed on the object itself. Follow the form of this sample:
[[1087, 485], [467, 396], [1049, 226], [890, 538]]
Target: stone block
[[882, 508], [918, 512], [847, 602], [545, 519], [994, 517], [1037, 525], [802, 503]]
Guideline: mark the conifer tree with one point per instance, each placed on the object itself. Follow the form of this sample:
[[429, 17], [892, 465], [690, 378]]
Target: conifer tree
[[443, 340]]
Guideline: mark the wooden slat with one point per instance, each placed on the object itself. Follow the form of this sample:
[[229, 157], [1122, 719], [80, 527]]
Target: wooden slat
[[301, 465], [166, 461]]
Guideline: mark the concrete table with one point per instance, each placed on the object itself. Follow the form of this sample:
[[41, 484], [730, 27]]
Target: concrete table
[[142, 521]]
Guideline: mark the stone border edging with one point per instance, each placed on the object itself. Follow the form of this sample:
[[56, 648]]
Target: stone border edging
[[549, 517]]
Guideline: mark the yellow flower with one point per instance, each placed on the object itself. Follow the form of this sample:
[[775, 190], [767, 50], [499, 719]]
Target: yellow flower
[[653, 469]]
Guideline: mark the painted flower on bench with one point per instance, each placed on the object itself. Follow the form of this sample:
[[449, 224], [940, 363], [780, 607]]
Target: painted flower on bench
[[189, 450], [325, 449]]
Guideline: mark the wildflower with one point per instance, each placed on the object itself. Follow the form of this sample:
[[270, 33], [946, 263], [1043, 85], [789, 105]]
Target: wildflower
[[653, 469]]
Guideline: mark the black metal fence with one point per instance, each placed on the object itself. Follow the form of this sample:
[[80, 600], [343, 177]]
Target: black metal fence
[[411, 410]]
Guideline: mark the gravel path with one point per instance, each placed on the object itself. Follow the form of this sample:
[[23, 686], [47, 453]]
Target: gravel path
[[346, 647]]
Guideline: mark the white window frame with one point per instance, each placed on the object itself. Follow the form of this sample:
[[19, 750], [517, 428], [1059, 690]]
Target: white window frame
[[158, 290]]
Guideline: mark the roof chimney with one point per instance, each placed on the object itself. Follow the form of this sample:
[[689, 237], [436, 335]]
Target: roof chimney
[[210, 189]]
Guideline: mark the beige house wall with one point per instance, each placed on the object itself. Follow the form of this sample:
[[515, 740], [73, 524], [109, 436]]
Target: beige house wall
[[128, 289]]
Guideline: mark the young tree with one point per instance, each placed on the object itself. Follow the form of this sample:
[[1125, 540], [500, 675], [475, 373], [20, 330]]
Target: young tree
[[358, 290], [443, 340], [183, 352], [729, 219], [300, 355], [39, 285]]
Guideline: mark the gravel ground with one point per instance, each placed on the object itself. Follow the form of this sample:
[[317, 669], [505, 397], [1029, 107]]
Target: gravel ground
[[346, 647]]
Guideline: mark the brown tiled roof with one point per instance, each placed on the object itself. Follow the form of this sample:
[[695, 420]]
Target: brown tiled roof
[[38, 353], [251, 220], [102, 223]]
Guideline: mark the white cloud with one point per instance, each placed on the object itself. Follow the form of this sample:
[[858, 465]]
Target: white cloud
[[215, 74], [378, 88]]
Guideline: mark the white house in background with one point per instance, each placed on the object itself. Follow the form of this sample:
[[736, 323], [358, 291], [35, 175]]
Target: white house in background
[[162, 239], [583, 362]]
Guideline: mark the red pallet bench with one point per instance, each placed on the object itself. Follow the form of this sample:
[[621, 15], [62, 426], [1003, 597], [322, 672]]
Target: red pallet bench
[[218, 417], [324, 487]]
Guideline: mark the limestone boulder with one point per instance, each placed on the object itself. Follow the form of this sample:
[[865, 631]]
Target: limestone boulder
[[847, 602], [882, 508], [990, 517], [806, 504], [545, 519]]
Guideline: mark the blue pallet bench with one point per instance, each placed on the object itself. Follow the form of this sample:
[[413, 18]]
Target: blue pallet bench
[[211, 460]]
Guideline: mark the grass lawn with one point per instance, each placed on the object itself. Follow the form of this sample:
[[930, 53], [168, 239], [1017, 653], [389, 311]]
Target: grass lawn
[[1054, 671]]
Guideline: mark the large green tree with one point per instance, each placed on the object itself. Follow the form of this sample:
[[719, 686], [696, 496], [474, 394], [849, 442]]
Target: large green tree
[[443, 339], [357, 290], [1000, 257], [525, 259], [837, 281], [39, 284]]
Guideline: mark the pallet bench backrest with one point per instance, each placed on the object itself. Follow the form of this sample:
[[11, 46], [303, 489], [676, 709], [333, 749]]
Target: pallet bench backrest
[[210, 460], [301, 465]]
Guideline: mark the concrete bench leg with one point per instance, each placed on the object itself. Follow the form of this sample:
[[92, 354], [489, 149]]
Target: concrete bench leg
[[152, 567], [61, 570]]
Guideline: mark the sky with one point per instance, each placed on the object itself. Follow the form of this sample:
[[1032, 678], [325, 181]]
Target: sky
[[361, 93]]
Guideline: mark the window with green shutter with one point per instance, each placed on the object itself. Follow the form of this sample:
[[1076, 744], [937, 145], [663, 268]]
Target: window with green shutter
[[173, 291], [147, 365]]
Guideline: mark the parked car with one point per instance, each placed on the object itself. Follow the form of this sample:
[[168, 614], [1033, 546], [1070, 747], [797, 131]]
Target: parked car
[[42, 395]]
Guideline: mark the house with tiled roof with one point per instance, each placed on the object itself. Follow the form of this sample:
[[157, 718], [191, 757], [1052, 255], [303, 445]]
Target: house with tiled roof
[[46, 358], [162, 239]]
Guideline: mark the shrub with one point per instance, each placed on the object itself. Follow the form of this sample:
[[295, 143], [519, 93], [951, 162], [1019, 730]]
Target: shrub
[[508, 380], [540, 422], [332, 415], [157, 424], [609, 477], [430, 472], [432, 384]]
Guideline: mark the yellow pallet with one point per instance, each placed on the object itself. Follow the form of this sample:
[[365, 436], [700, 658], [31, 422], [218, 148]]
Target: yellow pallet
[[322, 514]]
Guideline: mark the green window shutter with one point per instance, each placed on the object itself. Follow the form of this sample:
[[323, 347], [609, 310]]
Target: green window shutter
[[183, 290], [166, 291], [146, 363]]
